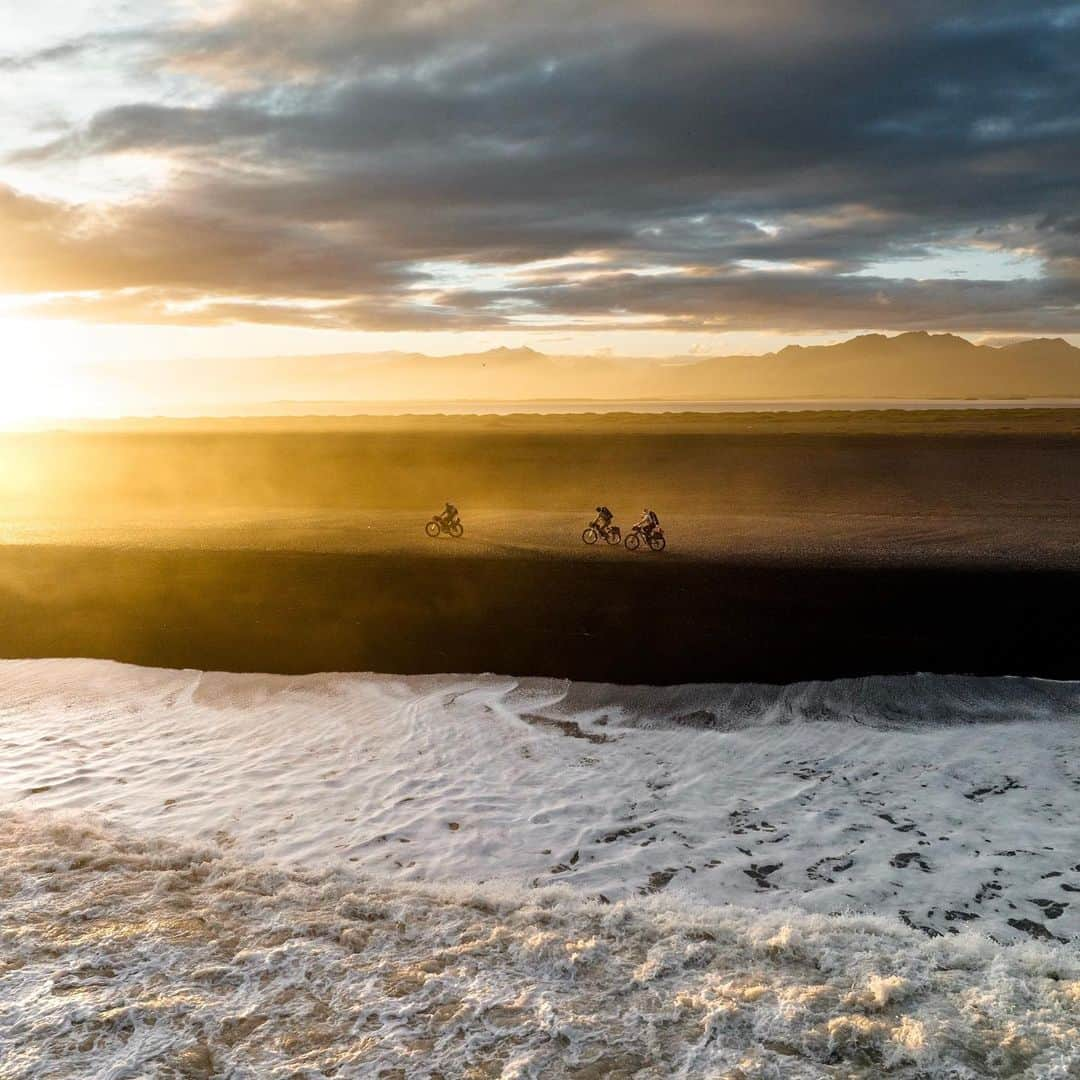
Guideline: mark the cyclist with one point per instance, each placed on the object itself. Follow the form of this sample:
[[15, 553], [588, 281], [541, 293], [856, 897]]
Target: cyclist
[[649, 521], [603, 520]]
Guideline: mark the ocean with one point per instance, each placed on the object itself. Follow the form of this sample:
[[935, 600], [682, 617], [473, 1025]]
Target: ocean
[[212, 874]]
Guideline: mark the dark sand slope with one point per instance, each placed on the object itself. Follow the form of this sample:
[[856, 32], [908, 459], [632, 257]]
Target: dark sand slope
[[801, 547], [628, 620]]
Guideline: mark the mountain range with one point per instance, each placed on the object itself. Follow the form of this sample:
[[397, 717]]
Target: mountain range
[[908, 366]]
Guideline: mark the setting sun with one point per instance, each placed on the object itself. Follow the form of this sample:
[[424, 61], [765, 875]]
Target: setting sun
[[36, 383], [29, 387]]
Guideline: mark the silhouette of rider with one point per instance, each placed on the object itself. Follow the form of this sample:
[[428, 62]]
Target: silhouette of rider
[[603, 519], [449, 515], [649, 521]]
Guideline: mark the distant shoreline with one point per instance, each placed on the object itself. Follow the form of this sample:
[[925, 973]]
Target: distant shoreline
[[352, 410], [1036, 417], [571, 406]]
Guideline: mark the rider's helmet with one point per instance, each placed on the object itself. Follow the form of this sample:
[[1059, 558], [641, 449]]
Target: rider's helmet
[[598, 510]]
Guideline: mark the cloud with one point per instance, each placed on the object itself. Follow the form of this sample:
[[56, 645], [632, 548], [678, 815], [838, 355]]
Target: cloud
[[22, 62], [802, 302], [322, 156]]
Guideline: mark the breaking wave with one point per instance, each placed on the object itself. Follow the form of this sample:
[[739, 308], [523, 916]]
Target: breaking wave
[[125, 956], [884, 702]]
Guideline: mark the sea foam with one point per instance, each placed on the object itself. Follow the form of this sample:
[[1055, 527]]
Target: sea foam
[[125, 956], [259, 876]]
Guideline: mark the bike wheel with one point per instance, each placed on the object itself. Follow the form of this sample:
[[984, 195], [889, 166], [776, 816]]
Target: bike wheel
[[615, 536], [457, 530], [632, 541], [590, 535], [657, 543], [432, 528]]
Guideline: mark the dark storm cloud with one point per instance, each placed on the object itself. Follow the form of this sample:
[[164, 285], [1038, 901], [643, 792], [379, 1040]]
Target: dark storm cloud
[[345, 143], [745, 301]]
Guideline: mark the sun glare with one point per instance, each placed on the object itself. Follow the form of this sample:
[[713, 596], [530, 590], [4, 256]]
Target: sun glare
[[35, 383]]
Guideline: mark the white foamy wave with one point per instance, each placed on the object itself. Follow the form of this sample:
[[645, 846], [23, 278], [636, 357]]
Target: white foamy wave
[[832, 797], [124, 956], [885, 702]]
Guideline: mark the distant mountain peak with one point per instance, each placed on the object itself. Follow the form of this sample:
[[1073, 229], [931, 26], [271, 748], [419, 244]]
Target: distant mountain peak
[[503, 356], [924, 337], [1055, 346]]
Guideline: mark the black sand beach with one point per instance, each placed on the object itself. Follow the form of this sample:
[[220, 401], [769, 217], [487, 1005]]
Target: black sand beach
[[626, 620], [801, 546]]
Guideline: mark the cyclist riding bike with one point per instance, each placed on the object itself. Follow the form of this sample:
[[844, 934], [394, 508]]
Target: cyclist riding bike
[[649, 522], [603, 520]]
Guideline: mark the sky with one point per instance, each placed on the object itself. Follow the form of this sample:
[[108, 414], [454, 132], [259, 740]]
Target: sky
[[244, 177]]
